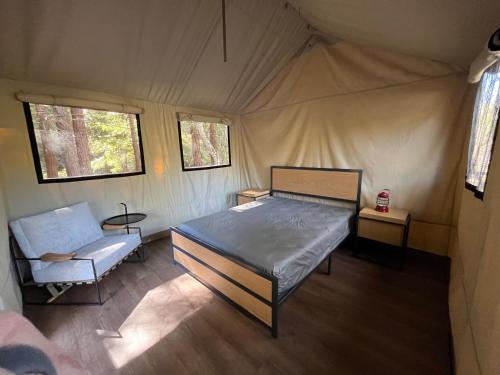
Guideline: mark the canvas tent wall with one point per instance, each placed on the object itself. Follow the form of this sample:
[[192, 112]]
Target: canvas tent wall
[[9, 294], [350, 106], [165, 192], [474, 243]]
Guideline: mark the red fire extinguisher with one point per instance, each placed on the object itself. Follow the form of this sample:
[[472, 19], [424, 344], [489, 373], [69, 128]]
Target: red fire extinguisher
[[383, 201]]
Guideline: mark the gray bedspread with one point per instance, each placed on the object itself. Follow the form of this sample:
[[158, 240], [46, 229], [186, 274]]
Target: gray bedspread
[[284, 237]]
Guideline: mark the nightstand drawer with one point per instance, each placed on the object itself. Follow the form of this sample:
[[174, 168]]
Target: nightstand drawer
[[250, 195], [381, 231], [242, 199]]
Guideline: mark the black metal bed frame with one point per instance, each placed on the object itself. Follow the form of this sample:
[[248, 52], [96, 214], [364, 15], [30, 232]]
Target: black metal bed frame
[[66, 285], [276, 301]]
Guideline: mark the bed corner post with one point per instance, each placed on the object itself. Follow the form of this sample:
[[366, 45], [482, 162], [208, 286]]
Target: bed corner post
[[358, 194], [271, 182], [274, 307]]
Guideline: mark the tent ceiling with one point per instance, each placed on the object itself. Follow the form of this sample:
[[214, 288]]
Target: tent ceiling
[[452, 31], [159, 50], [170, 51]]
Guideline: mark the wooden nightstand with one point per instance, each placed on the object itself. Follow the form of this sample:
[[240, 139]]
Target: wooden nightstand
[[250, 195], [388, 228]]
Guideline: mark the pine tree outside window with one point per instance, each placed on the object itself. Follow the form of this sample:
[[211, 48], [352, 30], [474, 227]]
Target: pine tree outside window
[[73, 144], [204, 142]]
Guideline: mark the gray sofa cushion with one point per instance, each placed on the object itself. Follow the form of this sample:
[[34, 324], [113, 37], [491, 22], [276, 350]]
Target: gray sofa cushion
[[62, 230], [106, 252]]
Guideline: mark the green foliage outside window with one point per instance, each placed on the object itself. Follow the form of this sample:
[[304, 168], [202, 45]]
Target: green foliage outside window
[[204, 144], [79, 142]]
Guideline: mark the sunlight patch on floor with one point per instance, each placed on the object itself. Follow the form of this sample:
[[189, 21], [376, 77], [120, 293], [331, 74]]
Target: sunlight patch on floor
[[160, 312]]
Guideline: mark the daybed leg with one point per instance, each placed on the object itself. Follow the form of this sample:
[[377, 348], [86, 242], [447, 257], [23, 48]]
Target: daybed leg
[[96, 282], [142, 254], [329, 265], [98, 292], [55, 293]]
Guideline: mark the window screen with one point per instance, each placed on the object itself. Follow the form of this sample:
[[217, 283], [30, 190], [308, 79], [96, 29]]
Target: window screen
[[71, 144], [204, 145], [484, 129]]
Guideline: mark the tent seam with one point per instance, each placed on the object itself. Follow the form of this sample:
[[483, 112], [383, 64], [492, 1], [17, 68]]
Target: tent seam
[[461, 73]]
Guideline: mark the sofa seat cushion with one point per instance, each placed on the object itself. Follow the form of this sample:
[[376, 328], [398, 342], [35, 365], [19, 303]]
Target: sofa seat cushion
[[59, 231], [106, 252]]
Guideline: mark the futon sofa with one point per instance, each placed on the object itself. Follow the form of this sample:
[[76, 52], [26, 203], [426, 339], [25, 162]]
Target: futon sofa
[[67, 246]]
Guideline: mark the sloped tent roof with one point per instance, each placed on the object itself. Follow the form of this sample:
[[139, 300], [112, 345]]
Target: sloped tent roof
[[166, 51], [452, 31], [170, 51]]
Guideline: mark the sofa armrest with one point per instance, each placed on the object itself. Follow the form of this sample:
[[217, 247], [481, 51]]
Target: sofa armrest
[[54, 257]]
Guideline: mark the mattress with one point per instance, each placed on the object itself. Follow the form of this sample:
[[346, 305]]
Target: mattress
[[286, 238]]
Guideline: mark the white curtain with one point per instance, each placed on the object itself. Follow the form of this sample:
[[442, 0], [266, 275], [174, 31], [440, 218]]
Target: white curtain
[[488, 56], [484, 125]]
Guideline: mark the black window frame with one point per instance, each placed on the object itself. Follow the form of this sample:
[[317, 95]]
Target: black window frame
[[38, 164], [184, 169]]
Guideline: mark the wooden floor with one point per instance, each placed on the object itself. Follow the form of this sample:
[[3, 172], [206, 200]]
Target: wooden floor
[[362, 319]]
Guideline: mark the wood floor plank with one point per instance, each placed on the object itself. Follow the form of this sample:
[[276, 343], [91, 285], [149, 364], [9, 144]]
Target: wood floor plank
[[363, 318]]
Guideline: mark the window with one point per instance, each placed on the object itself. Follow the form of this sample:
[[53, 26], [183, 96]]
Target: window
[[484, 129], [72, 144], [204, 143]]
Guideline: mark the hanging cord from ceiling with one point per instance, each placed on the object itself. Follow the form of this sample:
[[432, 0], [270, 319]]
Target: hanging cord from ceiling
[[224, 43]]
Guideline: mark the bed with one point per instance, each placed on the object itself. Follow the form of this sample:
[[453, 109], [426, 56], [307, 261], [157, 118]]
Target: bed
[[257, 254]]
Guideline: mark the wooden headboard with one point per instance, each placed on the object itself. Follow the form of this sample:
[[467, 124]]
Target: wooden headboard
[[328, 183]]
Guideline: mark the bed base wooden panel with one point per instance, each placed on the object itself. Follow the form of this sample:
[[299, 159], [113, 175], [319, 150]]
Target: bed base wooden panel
[[254, 292], [243, 276], [381, 231], [253, 305]]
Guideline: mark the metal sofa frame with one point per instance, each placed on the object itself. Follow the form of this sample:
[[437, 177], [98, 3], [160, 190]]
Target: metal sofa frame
[[59, 288]]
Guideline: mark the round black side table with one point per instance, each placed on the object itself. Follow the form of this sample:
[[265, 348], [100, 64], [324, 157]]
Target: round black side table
[[125, 219]]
